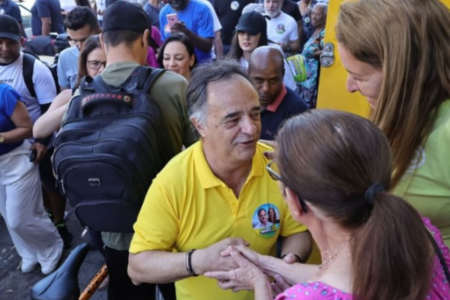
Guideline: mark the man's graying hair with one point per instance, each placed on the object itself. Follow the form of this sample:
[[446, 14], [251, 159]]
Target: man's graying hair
[[202, 76]]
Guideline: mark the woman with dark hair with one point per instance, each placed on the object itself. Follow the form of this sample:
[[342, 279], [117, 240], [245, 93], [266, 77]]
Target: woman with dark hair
[[374, 245], [91, 62], [251, 33], [177, 54]]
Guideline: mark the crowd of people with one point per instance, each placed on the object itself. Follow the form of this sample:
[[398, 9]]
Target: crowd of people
[[256, 174]]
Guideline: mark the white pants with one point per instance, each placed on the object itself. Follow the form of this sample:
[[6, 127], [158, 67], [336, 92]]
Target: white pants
[[33, 234]]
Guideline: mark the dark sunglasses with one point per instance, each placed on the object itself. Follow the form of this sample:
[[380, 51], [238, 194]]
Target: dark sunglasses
[[277, 177], [96, 64]]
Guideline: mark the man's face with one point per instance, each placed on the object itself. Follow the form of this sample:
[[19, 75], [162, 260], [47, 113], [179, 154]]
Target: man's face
[[268, 79], [9, 50], [178, 4], [262, 216], [272, 7], [78, 37], [233, 123]]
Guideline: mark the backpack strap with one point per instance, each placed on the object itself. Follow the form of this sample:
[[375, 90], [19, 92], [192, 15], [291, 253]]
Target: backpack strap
[[142, 79], [27, 71]]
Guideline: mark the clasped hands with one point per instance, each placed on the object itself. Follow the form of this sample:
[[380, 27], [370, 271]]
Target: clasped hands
[[239, 268]]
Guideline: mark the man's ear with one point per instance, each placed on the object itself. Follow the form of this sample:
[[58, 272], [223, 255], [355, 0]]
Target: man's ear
[[199, 127], [22, 41], [145, 37]]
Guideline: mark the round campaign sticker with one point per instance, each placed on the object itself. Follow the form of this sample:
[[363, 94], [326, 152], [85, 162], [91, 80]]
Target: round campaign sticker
[[234, 5], [266, 220]]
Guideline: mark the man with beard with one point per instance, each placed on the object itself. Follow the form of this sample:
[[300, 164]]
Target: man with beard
[[194, 19], [282, 29]]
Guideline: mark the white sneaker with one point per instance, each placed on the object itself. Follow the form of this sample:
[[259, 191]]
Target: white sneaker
[[51, 266], [28, 266]]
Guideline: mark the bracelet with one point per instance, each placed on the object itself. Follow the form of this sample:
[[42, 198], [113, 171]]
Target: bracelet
[[189, 263], [297, 257]]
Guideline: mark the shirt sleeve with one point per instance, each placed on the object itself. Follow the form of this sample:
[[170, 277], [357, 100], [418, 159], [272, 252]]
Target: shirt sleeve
[[44, 84], [217, 26], [63, 81], [8, 100], [294, 31], [43, 9], [15, 13], [157, 225], [205, 23]]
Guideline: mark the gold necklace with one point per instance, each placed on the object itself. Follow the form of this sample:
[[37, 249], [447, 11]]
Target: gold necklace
[[335, 253]]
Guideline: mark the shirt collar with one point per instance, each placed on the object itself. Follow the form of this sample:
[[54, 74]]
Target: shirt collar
[[274, 105], [207, 177]]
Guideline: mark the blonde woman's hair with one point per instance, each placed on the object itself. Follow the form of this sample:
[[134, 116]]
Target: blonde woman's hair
[[409, 40]]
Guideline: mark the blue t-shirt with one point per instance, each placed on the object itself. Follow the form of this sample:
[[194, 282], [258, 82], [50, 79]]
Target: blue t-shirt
[[197, 18], [8, 101], [46, 9]]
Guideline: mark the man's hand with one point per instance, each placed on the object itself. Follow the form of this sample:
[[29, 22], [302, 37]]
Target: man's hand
[[41, 150], [246, 276], [210, 259], [180, 27]]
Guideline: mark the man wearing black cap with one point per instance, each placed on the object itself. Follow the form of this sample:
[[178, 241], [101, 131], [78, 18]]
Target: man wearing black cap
[[126, 44]]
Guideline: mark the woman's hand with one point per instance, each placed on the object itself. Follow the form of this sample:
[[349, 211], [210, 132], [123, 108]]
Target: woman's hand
[[246, 277]]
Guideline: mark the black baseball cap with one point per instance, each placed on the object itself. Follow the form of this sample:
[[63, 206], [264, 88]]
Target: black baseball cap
[[9, 28], [123, 15], [252, 22]]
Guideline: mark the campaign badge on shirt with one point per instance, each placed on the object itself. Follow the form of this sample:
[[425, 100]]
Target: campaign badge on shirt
[[234, 5], [280, 29], [266, 220]]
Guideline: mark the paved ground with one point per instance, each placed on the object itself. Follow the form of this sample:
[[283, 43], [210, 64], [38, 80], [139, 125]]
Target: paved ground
[[16, 286]]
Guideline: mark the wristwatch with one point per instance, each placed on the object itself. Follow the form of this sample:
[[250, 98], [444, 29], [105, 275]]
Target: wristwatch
[[2, 139]]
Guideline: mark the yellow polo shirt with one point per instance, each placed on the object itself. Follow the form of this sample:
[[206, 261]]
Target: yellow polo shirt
[[188, 207]]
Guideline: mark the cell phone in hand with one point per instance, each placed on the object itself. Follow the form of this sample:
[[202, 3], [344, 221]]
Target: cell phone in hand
[[172, 19], [32, 155]]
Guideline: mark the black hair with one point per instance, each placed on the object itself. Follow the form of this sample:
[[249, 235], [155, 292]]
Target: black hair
[[81, 16], [115, 37], [182, 38]]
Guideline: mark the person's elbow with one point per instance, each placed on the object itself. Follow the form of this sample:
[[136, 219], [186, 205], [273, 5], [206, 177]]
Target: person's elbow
[[133, 268]]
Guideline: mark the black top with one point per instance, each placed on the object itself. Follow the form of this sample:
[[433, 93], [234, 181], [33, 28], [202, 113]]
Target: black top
[[291, 105], [291, 8], [229, 12]]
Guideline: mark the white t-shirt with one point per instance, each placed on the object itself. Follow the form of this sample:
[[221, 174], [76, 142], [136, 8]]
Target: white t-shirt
[[67, 5], [282, 29], [44, 85]]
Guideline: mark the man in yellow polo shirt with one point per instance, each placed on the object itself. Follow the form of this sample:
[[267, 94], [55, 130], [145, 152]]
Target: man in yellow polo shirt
[[209, 196]]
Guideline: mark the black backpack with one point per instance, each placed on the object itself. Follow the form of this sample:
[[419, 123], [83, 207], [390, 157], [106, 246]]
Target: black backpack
[[28, 70], [110, 147]]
